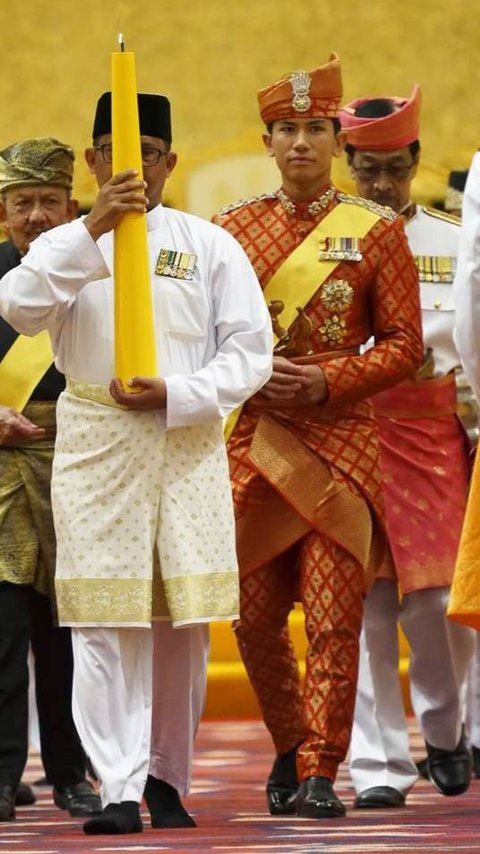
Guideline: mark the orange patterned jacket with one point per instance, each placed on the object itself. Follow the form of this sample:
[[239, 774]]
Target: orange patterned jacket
[[375, 296]]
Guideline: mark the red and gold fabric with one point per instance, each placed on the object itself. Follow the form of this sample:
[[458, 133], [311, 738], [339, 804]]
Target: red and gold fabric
[[330, 582], [424, 458], [376, 295], [306, 480]]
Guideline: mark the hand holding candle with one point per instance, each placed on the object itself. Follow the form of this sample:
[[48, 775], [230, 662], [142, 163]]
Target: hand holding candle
[[135, 346]]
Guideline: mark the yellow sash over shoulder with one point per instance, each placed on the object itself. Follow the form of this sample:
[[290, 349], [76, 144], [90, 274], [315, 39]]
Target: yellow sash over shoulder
[[22, 368], [302, 273]]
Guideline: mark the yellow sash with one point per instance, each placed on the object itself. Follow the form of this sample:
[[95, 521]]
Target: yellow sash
[[22, 368], [302, 273]]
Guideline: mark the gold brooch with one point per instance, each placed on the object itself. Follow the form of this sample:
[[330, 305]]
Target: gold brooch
[[337, 295], [333, 330], [300, 83]]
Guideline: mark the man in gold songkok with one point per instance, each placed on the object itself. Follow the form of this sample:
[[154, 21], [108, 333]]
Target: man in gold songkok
[[35, 187]]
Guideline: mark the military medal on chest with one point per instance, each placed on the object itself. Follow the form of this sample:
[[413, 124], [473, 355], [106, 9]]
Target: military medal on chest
[[340, 249], [436, 269], [176, 265]]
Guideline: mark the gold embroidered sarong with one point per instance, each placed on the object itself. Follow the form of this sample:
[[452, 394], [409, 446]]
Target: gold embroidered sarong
[[27, 538], [144, 517], [304, 494]]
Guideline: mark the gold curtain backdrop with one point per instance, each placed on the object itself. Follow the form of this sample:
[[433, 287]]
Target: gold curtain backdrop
[[211, 57]]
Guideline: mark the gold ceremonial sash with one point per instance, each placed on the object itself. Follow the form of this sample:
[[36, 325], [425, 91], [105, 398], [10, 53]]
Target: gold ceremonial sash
[[302, 273], [22, 368]]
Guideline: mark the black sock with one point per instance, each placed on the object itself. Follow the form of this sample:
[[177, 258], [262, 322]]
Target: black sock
[[165, 806], [116, 818]]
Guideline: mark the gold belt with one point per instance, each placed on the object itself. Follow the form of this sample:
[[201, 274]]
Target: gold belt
[[92, 391]]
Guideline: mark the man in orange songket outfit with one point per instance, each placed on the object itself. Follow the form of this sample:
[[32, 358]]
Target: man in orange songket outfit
[[304, 452], [425, 460]]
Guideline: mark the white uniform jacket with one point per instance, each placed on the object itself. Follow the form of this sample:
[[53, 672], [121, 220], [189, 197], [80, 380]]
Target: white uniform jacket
[[434, 242], [214, 338], [467, 281]]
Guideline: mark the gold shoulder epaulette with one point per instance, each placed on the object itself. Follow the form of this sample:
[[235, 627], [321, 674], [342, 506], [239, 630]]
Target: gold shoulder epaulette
[[242, 202], [381, 210], [443, 215]]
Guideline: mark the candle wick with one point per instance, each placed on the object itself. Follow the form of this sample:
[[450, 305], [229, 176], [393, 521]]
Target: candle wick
[[121, 42]]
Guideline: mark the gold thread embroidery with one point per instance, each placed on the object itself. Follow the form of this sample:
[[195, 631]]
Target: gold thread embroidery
[[132, 601], [314, 207], [381, 210]]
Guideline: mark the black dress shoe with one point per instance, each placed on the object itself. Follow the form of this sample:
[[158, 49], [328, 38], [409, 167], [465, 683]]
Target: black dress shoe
[[165, 806], [317, 799], [282, 784], [79, 800], [7, 803], [379, 797], [116, 818], [476, 760], [422, 768], [450, 771], [24, 796]]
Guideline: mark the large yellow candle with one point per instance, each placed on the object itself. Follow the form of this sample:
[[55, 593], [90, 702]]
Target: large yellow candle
[[135, 347]]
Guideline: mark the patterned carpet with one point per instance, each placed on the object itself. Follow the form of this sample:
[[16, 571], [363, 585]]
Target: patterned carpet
[[232, 762]]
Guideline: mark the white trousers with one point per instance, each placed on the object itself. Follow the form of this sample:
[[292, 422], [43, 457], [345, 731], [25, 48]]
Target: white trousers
[[138, 695], [472, 719], [440, 653]]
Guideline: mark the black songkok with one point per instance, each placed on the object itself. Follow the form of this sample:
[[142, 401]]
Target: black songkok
[[153, 113]]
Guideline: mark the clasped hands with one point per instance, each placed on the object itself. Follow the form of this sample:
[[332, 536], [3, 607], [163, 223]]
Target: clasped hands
[[295, 385]]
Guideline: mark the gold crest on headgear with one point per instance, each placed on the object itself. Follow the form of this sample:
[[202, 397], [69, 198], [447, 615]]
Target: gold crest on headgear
[[300, 82], [312, 94]]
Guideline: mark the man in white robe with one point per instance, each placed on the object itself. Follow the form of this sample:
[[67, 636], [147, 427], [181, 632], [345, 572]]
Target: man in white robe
[[140, 486]]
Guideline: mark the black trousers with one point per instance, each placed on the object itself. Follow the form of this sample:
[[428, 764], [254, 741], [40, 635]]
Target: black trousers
[[26, 617]]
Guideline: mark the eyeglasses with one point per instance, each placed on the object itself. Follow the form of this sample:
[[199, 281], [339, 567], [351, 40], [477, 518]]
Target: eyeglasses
[[150, 156], [398, 172]]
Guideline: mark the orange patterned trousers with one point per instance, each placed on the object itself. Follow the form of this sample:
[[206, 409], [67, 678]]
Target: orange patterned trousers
[[330, 584]]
